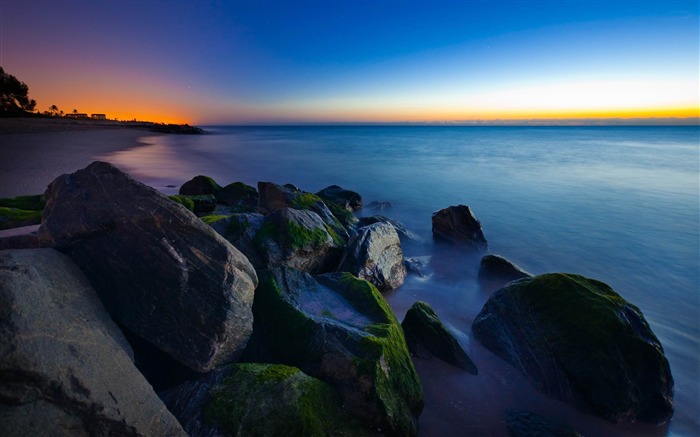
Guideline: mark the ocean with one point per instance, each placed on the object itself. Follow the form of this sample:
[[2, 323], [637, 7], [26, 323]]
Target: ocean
[[618, 204]]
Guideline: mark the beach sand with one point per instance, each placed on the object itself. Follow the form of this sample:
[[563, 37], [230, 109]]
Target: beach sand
[[33, 152]]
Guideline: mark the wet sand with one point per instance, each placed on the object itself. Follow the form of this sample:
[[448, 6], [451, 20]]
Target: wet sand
[[33, 152]]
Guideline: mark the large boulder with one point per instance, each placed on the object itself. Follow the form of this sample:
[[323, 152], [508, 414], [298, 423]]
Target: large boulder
[[65, 367], [200, 185], [239, 195], [298, 239], [159, 270], [240, 230], [340, 330], [579, 341], [260, 400], [348, 199], [374, 254], [401, 229], [457, 224], [425, 331]]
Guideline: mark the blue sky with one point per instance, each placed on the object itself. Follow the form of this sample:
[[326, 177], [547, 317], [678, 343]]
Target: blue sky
[[312, 61]]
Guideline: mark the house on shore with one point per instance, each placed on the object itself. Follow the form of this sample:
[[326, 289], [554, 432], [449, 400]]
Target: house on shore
[[98, 117], [79, 115]]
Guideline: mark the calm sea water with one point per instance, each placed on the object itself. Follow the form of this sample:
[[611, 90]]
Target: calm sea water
[[618, 204]]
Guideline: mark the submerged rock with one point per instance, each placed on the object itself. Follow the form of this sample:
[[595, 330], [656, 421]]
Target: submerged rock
[[496, 267], [374, 254], [457, 224], [525, 424], [339, 329], [401, 229], [262, 400], [159, 270], [580, 342], [298, 239], [424, 330], [66, 368]]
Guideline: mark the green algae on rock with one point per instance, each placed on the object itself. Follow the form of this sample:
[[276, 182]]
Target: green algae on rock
[[272, 399], [581, 342], [424, 329], [339, 329], [183, 200], [16, 218]]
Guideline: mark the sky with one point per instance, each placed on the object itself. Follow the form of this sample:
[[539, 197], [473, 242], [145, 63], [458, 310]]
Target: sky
[[210, 62]]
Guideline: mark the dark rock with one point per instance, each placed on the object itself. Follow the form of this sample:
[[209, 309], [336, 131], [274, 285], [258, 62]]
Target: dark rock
[[457, 224], [374, 254], [525, 424], [240, 230], [159, 270], [199, 185], [340, 330], [414, 265], [203, 203], [298, 239], [401, 229], [424, 329], [239, 195], [349, 200], [261, 399], [65, 368], [497, 267], [580, 342]]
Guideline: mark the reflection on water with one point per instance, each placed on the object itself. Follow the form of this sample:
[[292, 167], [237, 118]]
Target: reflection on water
[[616, 204]]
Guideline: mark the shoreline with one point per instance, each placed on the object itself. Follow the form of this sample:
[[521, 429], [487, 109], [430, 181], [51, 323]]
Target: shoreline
[[33, 152]]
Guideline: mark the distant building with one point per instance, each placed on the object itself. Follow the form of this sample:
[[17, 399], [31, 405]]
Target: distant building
[[77, 115], [99, 116]]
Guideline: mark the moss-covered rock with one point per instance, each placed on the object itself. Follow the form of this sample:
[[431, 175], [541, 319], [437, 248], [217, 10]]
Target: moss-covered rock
[[298, 239], [424, 330], [239, 195], [581, 342], [347, 199], [15, 218], [183, 200], [35, 202], [272, 400], [457, 225], [339, 329], [199, 185], [240, 230]]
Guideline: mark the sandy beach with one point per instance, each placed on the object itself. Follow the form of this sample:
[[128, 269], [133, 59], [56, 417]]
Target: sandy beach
[[33, 152]]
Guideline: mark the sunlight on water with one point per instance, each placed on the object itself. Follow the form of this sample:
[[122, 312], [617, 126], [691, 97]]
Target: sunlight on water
[[616, 204]]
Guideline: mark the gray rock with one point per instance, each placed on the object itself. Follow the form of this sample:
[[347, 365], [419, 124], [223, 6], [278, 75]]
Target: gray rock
[[240, 230], [158, 269], [495, 267], [457, 224], [340, 330], [298, 239], [424, 330], [401, 229], [580, 342], [65, 367], [374, 254]]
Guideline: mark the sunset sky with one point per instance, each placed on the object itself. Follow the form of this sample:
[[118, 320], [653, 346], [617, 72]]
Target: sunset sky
[[229, 62]]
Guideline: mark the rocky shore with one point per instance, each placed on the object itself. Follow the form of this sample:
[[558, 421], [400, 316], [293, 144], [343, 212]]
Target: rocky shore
[[259, 311]]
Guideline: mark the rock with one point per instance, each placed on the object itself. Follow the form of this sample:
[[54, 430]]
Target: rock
[[415, 265], [525, 424], [401, 229], [239, 195], [65, 366], [497, 267], [240, 230], [457, 224], [199, 185], [273, 197], [339, 329], [159, 270], [374, 254], [424, 329], [349, 200], [380, 207], [17, 218], [580, 342], [203, 203], [298, 239], [184, 201], [263, 400]]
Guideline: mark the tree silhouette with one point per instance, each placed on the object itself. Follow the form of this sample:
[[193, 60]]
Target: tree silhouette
[[14, 95], [53, 110]]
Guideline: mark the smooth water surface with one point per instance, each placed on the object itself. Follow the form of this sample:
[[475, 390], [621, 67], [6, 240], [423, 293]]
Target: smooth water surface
[[618, 204]]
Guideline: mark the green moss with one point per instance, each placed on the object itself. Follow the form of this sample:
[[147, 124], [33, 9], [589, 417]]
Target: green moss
[[300, 236], [212, 218], [15, 218], [237, 227], [183, 200], [364, 297], [344, 216], [35, 202], [305, 201]]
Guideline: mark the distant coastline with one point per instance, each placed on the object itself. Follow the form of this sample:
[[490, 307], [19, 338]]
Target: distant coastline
[[27, 125]]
